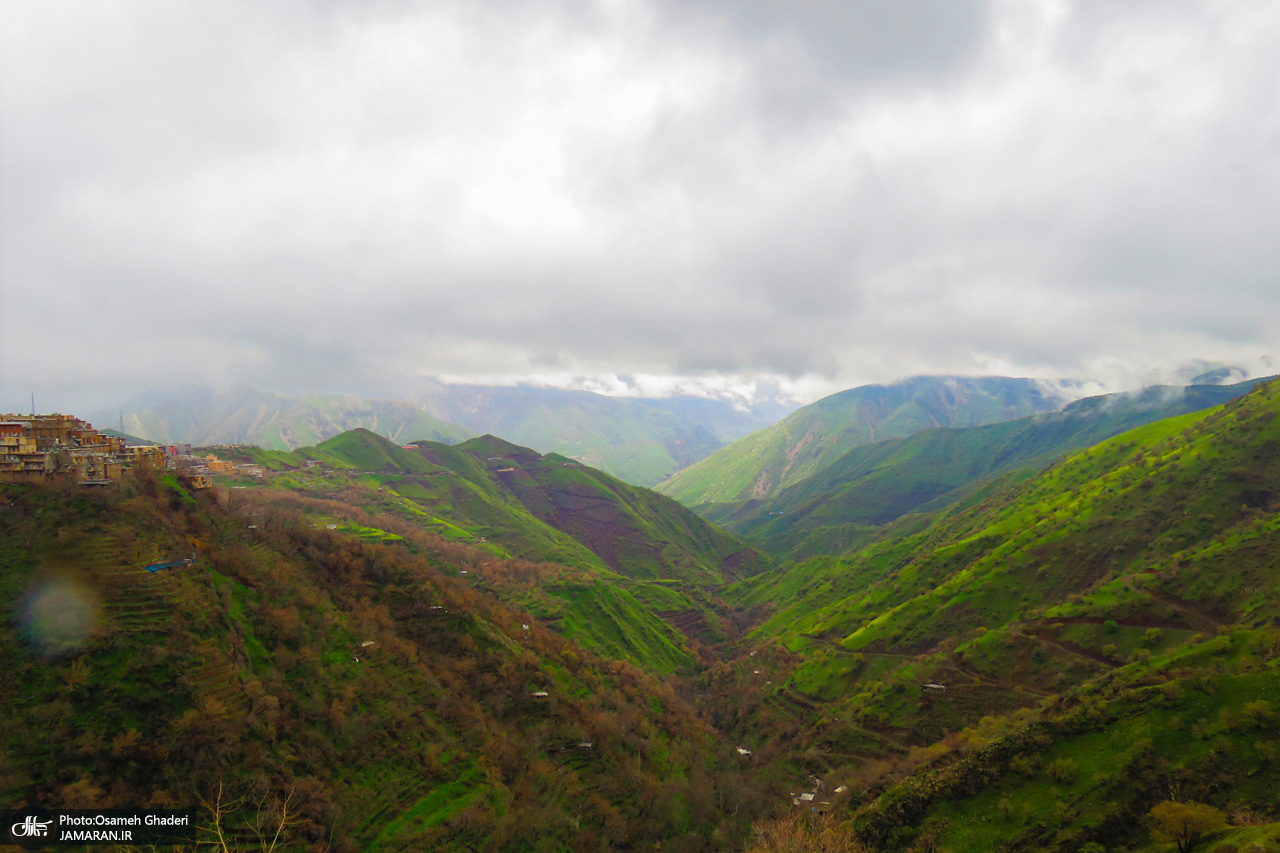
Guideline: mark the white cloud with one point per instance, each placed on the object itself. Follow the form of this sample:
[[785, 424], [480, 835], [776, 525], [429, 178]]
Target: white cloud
[[707, 198]]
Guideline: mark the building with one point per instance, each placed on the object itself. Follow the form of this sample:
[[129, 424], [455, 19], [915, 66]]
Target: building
[[20, 457], [219, 466], [35, 448], [198, 480]]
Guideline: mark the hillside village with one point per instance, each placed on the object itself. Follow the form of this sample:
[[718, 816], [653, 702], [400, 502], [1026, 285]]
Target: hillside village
[[40, 448]]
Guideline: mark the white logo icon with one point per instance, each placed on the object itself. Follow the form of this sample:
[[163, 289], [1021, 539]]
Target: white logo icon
[[30, 828]]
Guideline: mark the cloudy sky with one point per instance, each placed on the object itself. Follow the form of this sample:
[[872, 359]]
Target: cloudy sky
[[643, 194]]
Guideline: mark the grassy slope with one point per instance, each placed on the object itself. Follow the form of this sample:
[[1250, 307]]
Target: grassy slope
[[242, 670], [632, 543], [803, 443], [638, 533], [1089, 768], [1135, 549], [1124, 504], [874, 484]]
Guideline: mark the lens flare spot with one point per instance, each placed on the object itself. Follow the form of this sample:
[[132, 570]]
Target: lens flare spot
[[58, 616]]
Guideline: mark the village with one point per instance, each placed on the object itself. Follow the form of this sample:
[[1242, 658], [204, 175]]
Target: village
[[40, 448]]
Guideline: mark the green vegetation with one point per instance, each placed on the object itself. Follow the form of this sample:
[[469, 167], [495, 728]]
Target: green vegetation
[[842, 506], [513, 502], [1059, 653], [360, 692], [762, 464], [1080, 658]]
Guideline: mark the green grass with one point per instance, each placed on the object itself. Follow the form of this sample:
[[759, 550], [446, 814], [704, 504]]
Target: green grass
[[843, 504], [434, 808], [766, 462]]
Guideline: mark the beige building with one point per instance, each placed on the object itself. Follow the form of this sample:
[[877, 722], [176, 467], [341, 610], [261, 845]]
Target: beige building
[[34, 448]]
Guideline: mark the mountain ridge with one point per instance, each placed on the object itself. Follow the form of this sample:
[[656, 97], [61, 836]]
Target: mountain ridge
[[761, 464], [874, 484]]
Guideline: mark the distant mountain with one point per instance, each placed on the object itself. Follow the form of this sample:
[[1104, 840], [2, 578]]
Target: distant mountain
[[763, 463], [129, 440], [638, 440], [641, 441], [874, 484], [275, 421]]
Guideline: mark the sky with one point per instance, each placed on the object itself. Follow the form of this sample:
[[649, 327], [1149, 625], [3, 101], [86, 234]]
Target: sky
[[632, 196]]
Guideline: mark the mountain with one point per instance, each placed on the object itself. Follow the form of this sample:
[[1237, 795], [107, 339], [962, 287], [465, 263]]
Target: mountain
[[309, 689], [765, 462], [631, 558], [641, 441], [131, 440], [638, 440], [874, 484], [629, 529], [1068, 659], [1066, 652], [275, 421]]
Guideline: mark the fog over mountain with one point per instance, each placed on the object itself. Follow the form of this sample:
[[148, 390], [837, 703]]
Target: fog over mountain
[[641, 197]]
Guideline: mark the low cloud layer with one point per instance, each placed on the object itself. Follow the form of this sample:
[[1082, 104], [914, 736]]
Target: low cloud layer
[[352, 196]]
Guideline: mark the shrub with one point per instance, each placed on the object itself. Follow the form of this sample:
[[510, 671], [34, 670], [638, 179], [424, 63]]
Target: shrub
[[1185, 823], [1062, 771]]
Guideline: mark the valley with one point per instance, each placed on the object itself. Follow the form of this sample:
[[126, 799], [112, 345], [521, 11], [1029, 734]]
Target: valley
[[1032, 654]]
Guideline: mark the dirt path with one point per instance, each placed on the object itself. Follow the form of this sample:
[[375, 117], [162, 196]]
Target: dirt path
[[988, 681], [1190, 608], [1068, 647]]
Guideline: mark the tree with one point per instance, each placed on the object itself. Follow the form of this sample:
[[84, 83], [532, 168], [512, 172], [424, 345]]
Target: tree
[[1186, 823], [1258, 712]]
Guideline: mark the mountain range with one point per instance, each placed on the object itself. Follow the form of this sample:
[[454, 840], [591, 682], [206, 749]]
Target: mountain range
[[762, 464], [1045, 630], [639, 440], [270, 420], [1041, 666], [846, 501]]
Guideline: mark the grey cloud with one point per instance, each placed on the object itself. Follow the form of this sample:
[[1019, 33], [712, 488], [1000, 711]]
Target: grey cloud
[[349, 196], [869, 39]]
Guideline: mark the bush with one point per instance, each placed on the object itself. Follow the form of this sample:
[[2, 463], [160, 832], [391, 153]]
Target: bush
[[1062, 771]]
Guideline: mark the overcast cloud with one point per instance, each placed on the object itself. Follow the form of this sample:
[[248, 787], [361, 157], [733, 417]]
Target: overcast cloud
[[350, 196]]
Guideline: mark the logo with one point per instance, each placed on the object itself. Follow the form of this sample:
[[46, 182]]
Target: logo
[[30, 828]]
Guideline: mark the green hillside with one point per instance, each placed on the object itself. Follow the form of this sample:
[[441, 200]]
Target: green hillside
[[638, 533], [276, 421], [631, 530], [1065, 660], [631, 558], [1196, 725], [357, 695], [874, 484], [760, 465], [1137, 580]]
